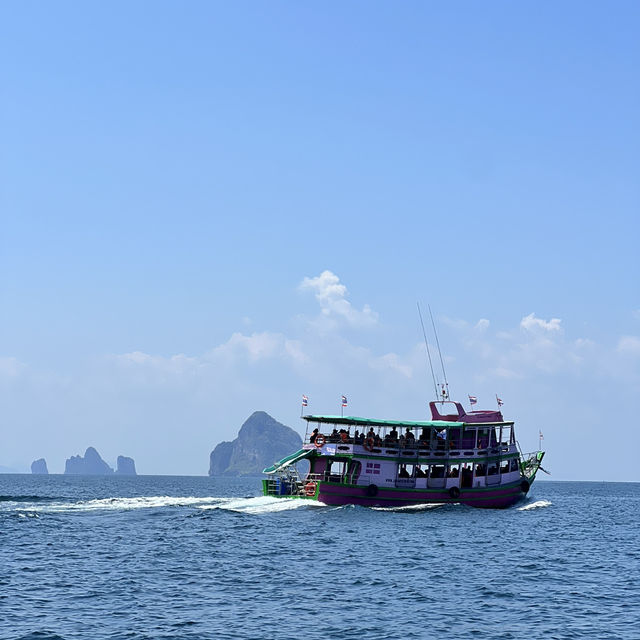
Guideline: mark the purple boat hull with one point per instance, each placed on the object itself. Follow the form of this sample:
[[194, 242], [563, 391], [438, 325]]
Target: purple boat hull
[[488, 497]]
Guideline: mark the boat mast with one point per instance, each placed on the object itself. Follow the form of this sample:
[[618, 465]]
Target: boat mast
[[445, 390], [426, 344]]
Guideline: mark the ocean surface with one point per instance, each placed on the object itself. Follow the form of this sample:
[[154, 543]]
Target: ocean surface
[[196, 557]]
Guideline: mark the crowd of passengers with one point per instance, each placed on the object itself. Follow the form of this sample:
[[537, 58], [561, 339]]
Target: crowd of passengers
[[392, 439], [438, 471]]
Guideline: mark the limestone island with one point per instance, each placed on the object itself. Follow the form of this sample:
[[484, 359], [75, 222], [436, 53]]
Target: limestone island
[[261, 441], [93, 465], [39, 467], [126, 467]]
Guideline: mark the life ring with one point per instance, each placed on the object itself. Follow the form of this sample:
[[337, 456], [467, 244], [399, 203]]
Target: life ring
[[320, 440], [372, 490], [310, 489], [454, 492], [368, 444], [525, 486], [343, 436]]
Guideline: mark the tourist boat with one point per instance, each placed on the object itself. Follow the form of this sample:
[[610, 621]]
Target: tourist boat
[[456, 457]]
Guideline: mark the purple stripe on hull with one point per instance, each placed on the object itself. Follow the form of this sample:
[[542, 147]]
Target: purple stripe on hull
[[492, 497]]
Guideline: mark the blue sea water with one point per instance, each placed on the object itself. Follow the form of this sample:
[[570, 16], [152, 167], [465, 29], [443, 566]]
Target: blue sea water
[[195, 558]]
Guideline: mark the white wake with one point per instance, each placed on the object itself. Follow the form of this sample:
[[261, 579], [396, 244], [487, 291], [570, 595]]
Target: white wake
[[124, 504], [538, 504], [262, 504]]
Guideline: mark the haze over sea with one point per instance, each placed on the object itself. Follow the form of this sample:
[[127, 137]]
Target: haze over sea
[[165, 557]]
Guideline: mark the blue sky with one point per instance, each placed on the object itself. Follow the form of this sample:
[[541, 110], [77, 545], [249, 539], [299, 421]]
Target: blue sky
[[200, 201]]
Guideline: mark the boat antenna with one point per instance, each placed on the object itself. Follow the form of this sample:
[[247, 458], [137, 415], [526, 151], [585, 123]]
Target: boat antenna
[[426, 344], [446, 383]]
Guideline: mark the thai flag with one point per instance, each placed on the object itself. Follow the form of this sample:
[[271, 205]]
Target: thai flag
[[541, 436], [499, 401], [305, 401], [472, 400], [344, 401]]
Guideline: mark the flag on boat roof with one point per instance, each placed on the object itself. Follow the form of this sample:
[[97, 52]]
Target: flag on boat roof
[[344, 401], [541, 436], [305, 401], [473, 400], [499, 401]]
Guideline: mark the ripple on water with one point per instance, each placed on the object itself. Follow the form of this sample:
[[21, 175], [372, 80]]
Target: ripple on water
[[196, 558]]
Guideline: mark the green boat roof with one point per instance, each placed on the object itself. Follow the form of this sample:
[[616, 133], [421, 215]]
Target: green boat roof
[[292, 459], [371, 422]]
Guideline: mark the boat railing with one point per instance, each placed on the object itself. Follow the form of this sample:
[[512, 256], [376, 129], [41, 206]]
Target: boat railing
[[529, 463]]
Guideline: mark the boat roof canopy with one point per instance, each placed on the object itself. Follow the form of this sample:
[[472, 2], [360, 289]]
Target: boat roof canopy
[[370, 422], [292, 459]]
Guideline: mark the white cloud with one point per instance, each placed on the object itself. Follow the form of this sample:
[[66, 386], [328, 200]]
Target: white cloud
[[629, 345], [238, 348], [531, 323], [332, 297], [262, 346], [482, 324], [11, 367]]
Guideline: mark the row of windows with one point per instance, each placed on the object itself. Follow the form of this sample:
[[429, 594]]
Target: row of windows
[[455, 470], [338, 468]]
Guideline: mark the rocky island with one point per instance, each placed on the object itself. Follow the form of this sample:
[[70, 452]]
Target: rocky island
[[261, 441], [39, 467], [126, 466], [91, 464]]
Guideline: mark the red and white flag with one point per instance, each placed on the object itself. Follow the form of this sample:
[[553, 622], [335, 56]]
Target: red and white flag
[[344, 401], [305, 401], [499, 401], [472, 400]]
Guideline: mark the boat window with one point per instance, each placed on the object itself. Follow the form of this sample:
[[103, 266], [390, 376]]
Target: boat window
[[454, 438], [354, 471], [514, 464], [405, 470], [422, 471], [336, 467], [493, 469], [468, 439], [506, 435], [372, 469], [481, 469], [504, 467], [483, 438], [437, 471], [453, 471]]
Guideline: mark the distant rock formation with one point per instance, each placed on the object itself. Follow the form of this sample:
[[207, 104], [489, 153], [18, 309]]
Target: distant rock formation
[[89, 465], [126, 467], [40, 467], [261, 441]]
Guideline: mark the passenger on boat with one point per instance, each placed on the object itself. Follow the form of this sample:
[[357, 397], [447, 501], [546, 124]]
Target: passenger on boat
[[401, 441], [409, 438], [393, 434], [403, 473], [424, 436], [335, 436], [377, 440], [370, 434], [420, 473], [312, 437]]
